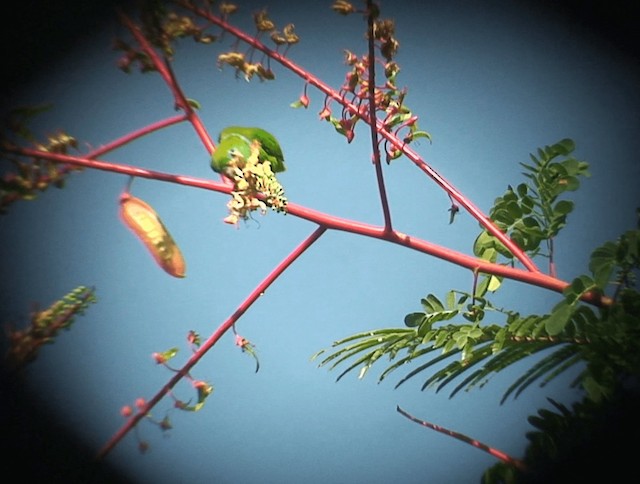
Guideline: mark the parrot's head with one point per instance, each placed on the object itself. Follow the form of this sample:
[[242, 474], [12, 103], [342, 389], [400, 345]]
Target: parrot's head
[[229, 148], [237, 140]]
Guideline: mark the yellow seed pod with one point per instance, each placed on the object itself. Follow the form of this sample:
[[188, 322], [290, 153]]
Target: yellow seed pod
[[146, 224]]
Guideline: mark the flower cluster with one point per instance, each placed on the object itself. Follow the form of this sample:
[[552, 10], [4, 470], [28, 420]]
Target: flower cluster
[[140, 404], [255, 187], [25, 344], [162, 28], [243, 63], [356, 89], [30, 177], [247, 347], [249, 69]]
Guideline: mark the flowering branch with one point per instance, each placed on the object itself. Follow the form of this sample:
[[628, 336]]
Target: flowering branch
[[332, 222], [213, 339]]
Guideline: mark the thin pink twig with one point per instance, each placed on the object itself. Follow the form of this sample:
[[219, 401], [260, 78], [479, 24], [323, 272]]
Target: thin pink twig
[[211, 341], [375, 145], [468, 440], [135, 135]]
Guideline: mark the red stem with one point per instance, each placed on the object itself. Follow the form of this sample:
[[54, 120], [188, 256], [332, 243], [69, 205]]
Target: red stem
[[209, 343], [468, 440], [375, 145], [165, 71], [485, 221], [332, 222]]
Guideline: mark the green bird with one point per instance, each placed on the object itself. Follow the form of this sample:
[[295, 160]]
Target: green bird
[[236, 140]]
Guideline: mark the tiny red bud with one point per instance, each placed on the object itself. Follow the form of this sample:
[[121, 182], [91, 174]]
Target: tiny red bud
[[159, 357], [304, 100], [126, 411], [325, 113]]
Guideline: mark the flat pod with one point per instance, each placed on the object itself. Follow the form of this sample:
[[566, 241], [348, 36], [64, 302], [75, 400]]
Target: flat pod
[[146, 224]]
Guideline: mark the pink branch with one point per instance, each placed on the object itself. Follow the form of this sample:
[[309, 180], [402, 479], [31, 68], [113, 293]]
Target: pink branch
[[332, 222], [166, 73], [123, 169], [468, 440], [136, 134], [213, 339], [309, 78]]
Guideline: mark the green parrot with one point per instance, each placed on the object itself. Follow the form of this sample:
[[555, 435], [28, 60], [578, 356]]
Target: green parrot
[[237, 140]]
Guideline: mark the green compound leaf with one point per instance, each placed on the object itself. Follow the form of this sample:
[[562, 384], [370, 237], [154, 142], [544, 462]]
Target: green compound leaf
[[554, 324]]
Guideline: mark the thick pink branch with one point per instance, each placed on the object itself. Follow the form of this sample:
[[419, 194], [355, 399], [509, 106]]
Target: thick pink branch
[[363, 113], [213, 339], [332, 222], [123, 169]]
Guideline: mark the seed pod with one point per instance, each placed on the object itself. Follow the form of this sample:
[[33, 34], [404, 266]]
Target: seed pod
[[145, 223]]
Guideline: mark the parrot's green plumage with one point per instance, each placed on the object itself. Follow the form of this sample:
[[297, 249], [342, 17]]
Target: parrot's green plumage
[[236, 140]]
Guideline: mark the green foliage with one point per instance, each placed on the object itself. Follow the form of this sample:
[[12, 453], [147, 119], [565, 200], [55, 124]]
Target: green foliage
[[44, 327], [463, 340], [460, 348], [564, 439], [471, 350], [533, 213]]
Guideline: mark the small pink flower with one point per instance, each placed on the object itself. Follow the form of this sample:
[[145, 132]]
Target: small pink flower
[[304, 100], [126, 411], [240, 341], [159, 357], [325, 113], [140, 403], [192, 337], [347, 126]]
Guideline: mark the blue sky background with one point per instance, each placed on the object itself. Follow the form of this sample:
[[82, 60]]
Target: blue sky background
[[491, 82]]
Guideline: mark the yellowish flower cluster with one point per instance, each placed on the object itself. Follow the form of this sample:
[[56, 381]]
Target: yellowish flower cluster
[[256, 187]]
